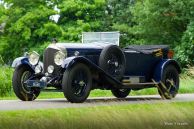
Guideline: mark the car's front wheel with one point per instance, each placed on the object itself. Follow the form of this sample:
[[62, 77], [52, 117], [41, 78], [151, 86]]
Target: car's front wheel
[[121, 93], [77, 82], [21, 74]]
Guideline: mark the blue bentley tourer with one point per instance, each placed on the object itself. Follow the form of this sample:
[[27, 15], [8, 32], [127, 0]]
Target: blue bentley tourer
[[97, 63]]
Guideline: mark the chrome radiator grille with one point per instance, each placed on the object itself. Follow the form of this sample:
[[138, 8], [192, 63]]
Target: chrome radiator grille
[[48, 59]]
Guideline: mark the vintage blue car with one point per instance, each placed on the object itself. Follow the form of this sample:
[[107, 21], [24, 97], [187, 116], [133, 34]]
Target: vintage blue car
[[97, 63]]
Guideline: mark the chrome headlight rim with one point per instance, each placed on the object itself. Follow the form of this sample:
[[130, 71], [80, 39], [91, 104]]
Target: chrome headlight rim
[[33, 58], [50, 69], [60, 57], [38, 69]]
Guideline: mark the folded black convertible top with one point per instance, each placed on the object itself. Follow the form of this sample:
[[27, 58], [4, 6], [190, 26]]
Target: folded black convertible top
[[146, 49]]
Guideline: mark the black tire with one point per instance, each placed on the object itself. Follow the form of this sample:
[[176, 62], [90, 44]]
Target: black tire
[[21, 74], [121, 93], [112, 60], [77, 83], [169, 86]]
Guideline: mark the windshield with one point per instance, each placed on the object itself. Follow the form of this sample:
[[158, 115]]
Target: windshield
[[101, 37]]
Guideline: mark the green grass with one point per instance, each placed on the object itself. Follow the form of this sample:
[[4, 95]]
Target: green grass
[[187, 85], [50, 95], [134, 116]]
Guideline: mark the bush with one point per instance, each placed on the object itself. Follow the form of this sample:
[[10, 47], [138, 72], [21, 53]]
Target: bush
[[185, 51], [5, 83], [1, 60]]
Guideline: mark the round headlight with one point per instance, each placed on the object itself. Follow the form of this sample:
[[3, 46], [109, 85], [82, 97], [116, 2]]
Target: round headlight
[[33, 58], [59, 57], [38, 69], [50, 69]]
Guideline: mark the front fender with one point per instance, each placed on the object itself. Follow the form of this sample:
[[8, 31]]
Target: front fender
[[158, 72], [24, 61], [19, 61], [69, 62]]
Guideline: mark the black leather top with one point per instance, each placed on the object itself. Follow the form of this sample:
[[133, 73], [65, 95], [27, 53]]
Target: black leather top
[[146, 49]]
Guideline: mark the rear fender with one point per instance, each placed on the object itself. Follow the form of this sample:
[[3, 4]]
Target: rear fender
[[158, 72]]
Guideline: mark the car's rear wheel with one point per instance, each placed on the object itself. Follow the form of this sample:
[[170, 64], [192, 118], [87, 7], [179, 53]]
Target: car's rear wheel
[[169, 86], [112, 60], [21, 74], [121, 93], [77, 82]]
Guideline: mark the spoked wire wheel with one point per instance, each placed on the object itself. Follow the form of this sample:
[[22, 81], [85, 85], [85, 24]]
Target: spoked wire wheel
[[169, 86], [26, 75], [21, 75], [112, 60], [77, 83]]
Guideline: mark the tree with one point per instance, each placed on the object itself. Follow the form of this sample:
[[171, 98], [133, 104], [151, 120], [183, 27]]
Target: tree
[[185, 51], [160, 21], [119, 18], [2, 25], [29, 25], [77, 16], [166, 22]]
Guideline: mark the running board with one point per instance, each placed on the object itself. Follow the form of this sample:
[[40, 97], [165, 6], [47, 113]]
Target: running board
[[139, 85], [133, 79], [51, 90]]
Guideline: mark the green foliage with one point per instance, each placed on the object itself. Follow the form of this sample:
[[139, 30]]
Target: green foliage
[[186, 49], [80, 16], [1, 61], [119, 18], [2, 13], [165, 22], [160, 21], [29, 23], [5, 83]]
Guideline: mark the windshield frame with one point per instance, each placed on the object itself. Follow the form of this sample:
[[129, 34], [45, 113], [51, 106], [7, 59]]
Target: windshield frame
[[101, 38]]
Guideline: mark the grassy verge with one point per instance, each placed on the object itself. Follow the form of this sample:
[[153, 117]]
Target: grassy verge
[[148, 116]]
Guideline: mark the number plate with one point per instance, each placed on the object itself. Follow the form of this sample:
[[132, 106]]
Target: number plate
[[35, 83]]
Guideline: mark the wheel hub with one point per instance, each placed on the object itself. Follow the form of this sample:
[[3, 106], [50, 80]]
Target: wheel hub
[[26, 75], [170, 81], [82, 83]]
